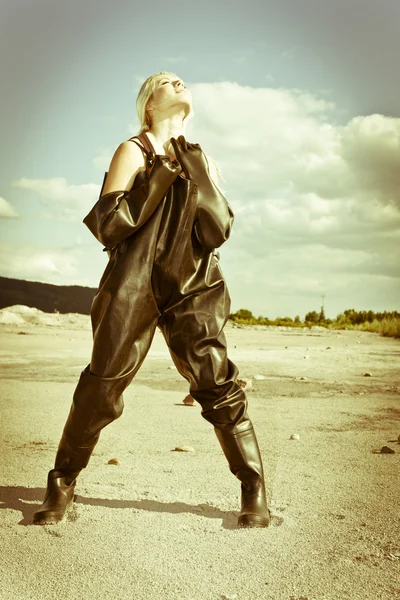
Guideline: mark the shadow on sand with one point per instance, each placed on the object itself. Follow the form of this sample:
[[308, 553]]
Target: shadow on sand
[[16, 498]]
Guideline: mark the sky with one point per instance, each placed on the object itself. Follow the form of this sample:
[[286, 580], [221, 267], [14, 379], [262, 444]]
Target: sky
[[297, 101]]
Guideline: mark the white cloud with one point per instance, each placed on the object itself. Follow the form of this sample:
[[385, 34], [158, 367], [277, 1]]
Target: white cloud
[[7, 211], [275, 149], [317, 204], [62, 201], [35, 263]]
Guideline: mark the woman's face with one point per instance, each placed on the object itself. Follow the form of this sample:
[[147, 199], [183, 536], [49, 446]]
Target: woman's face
[[170, 91]]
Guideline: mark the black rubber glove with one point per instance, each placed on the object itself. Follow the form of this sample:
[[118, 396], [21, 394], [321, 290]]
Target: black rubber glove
[[214, 217], [119, 214]]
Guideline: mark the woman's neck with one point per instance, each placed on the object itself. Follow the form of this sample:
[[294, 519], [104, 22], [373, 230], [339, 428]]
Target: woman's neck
[[160, 148]]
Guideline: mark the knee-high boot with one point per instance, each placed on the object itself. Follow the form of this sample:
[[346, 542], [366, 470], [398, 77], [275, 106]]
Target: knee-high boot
[[96, 402], [243, 454]]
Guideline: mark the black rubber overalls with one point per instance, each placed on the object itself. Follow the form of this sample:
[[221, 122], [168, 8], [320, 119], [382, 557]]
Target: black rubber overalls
[[161, 276]]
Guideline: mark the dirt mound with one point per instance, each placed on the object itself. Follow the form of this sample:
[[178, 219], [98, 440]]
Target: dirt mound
[[9, 318], [19, 314]]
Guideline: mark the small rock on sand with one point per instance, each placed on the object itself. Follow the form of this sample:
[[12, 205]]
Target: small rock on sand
[[246, 384], [189, 400], [387, 450], [114, 461], [183, 449]]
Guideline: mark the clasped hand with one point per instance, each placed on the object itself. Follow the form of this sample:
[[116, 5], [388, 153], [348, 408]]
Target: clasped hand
[[192, 159]]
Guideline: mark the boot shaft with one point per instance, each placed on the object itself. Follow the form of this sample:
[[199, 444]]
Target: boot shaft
[[242, 453]]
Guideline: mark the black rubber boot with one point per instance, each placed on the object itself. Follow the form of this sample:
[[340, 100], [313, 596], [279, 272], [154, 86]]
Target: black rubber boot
[[243, 454], [59, 497]]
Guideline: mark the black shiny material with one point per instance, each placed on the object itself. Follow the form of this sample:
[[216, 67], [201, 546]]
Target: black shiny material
[[58, 498], [166, 276], [244, 458], [117, 215]]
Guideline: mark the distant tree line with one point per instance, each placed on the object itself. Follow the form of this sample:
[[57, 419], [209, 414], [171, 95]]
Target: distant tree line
[[78, 299], [386, 323]]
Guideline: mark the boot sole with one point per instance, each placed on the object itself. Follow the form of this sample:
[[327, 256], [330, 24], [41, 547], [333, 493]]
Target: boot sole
[[253, 521], [51, 518]]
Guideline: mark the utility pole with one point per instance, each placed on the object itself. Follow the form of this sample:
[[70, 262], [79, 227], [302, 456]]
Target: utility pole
[[322, 313]]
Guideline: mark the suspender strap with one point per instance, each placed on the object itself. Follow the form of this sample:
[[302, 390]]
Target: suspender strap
[[148, 146], [141, 147], [146, 143], [148, 150]]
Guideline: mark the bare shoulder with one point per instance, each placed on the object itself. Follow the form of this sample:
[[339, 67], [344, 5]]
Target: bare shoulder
[[128, 160], [129, 153]]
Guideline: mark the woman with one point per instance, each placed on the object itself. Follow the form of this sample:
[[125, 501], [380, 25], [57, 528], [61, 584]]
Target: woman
[[163, 220]]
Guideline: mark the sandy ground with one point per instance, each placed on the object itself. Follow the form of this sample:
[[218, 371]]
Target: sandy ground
[[162, 524]]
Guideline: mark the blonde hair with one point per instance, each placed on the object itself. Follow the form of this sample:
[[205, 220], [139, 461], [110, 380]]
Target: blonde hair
[[145, 94]]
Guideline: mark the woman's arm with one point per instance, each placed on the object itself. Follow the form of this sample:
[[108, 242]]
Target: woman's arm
[[214, 216], [213, 226], [119, 212]]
